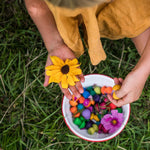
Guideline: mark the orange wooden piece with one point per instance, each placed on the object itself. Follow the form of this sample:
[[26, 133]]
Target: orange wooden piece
[[109, 90], [92, 102], [73, 109], [106, 90], [73, 103], [81, 100], [77, 115], [103, 90]]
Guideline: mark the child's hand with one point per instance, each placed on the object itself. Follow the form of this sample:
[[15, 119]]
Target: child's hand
[[131, 88], [62, 51]]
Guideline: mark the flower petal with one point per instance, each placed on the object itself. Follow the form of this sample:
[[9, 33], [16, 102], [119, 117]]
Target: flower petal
[[75, 71], [52, 67], [51, 79], [107, 117], [70, 80], [107, 126], [113, 129], [75, 79], [57, 61], [67, 61], [75, 66], [71, 62], [120, 117], [114, 113], [64, 82], [59, 75], [52, 73]]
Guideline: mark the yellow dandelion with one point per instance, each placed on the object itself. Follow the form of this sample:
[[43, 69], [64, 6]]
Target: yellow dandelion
[[63, 72]]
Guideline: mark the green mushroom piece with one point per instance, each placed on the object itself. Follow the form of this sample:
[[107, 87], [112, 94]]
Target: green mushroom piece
[[77, 121], [82, 125], [90, 88], [92, 92], [119, 110], [82, 118]]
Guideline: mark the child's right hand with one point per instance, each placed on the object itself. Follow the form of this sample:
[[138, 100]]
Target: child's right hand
[[62, 51]]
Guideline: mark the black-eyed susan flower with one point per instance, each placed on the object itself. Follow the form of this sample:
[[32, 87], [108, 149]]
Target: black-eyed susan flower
[[63, 72]]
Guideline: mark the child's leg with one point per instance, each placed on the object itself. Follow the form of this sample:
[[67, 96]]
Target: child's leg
[[44, 20], [141, 40]]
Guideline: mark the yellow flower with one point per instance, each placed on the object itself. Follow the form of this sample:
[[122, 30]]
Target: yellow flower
[[63, 72]]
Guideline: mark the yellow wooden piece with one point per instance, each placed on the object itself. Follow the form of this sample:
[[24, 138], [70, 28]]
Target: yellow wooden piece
[[95, 117], [115, 97], [116, 87]]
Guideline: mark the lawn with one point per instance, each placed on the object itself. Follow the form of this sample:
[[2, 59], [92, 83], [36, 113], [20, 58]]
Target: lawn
[[30, 114]]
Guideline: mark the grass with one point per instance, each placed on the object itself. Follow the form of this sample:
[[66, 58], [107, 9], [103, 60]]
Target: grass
[[30, 114]]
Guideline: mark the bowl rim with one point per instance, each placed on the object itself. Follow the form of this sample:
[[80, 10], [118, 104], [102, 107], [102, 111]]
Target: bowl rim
[[85, 138]]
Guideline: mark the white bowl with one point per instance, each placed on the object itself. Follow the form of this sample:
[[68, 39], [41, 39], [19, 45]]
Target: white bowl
[[90, 80]]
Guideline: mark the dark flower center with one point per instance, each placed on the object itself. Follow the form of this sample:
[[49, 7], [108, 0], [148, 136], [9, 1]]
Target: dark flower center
[[65, 69]]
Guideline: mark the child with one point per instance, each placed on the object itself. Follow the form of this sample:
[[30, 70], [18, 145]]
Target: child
[[58, 21]]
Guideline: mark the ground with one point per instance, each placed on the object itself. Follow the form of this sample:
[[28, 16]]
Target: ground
[[30, 114]]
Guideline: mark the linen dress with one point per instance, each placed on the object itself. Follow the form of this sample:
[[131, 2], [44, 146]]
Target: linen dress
[[112, 20]]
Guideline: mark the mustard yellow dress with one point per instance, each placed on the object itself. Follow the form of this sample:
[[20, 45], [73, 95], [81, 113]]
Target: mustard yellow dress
[[113, 20]]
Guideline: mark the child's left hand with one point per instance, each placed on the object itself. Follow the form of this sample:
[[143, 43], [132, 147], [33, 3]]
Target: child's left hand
[[131, 88]]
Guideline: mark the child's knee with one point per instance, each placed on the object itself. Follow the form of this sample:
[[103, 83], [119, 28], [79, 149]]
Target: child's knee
[[36, 7]]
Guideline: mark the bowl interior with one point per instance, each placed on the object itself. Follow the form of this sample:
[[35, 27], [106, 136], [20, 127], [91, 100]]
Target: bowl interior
[[90, 80]]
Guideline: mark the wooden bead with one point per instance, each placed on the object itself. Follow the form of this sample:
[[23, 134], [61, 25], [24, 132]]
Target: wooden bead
[[116, 87], [73, 109], [115, 96]]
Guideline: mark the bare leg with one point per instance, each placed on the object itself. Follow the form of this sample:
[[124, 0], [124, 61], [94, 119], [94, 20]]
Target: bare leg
[[141, 40], [44, 20]]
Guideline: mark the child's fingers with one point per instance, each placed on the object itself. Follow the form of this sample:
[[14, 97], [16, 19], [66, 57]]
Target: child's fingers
[[79, 87], [81, 77], [75, 91], [66, 92], [118, 81], [122, 101], [118, 103], [110, 97], [122, 92]]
